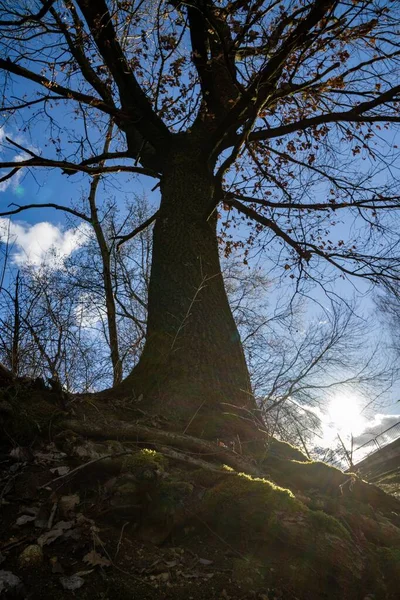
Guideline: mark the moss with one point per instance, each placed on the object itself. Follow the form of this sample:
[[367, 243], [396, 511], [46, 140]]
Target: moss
[[145, 459], [285, 450], [389, 561], [320, 521], [309, 550], [207, 479], [127, 488], [169, 496], [240, 502], [307, 475]]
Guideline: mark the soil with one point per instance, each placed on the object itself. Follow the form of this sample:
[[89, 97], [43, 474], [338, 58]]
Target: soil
[[191, 564], [101, 501]]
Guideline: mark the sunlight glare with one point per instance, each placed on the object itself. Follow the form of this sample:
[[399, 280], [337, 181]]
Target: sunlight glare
[[344, 414]]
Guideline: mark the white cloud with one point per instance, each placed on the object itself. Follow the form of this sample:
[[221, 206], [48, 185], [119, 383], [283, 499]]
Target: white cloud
[[15, 179], [42, 244], [376, 425]]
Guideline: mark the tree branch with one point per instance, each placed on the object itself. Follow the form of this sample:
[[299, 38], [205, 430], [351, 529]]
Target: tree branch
[[71, 211], [41, 13], [252, 214], [136, 231], [66, 93], [355, 115], [68, 167], [133, 99]]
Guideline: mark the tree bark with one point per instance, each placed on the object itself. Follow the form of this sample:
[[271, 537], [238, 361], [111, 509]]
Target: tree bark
[[108, 287], [192, 368]]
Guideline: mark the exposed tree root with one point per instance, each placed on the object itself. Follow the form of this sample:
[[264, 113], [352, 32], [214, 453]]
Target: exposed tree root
[[134, 432]]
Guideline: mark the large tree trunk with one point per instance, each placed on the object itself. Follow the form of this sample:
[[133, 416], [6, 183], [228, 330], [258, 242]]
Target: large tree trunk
[[193, 368]]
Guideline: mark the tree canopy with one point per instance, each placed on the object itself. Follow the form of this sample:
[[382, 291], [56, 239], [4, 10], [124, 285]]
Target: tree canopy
[[296, 98]]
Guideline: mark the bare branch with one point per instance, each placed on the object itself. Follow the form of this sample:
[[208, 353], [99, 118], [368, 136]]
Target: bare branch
[[124, 238]]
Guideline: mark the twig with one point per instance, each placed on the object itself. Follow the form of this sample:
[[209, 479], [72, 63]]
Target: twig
[[52, 515], [87, 464], [120, 539], [197, 462], [193, 417], [124, 238]]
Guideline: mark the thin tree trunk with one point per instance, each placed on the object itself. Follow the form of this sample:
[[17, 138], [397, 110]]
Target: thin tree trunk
[[16, 331], [192, 368], [106, 274]]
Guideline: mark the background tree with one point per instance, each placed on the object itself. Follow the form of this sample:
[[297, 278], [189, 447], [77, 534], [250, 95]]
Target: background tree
[[256, 107]]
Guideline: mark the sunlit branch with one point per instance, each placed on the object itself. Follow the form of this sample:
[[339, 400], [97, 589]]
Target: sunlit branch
[[76, 48], [29, 103], [133, 99], [257, 93]]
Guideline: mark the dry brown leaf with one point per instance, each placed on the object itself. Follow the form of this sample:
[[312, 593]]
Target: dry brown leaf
[[50, 536], [95, 559], [67, 504]]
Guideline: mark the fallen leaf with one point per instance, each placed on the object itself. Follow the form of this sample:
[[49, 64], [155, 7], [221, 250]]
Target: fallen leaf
[[58, 530], [60, 471], [73, 582], [24, 520], [21, 454], [170, 563], [8, 581], [95, 559], [205, 561], [55, 566], [49, 457], [67, 504], [73, 534], [29, 510]]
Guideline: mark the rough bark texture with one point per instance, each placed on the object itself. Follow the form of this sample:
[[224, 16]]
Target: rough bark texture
[[193, 367]]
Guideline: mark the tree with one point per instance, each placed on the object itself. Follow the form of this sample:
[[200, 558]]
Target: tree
[[261, 108]]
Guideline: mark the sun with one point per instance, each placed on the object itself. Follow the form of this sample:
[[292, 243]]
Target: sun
[[344, 414]]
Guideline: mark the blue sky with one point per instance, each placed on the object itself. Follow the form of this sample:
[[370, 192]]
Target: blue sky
[[36, 231]]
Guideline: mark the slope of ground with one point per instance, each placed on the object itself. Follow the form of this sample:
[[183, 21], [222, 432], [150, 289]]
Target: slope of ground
[[101, 501]]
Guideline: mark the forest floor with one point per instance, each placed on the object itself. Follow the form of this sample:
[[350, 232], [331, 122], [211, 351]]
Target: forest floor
[[93, 506], [59, 543]]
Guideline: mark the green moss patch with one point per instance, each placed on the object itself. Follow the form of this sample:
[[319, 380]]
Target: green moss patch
[[144, 460], [310, 547]]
